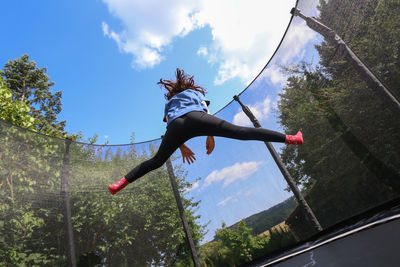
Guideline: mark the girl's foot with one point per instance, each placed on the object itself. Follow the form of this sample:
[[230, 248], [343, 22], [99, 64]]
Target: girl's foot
[[114, 188], [294, 139]]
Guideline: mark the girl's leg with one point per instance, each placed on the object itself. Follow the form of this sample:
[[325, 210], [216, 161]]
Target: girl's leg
[[205, 124], [173, 138]]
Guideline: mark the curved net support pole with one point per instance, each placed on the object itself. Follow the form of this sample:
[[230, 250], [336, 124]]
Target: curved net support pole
[[67, 204], [182, 213], [302, 202], [369, 77]]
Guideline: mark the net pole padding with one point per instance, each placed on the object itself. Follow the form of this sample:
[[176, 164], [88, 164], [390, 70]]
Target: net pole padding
[[65, 172], [302, 202], [365, 73], [186, 228]]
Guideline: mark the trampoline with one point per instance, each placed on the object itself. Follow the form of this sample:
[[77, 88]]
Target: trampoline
[[370, 242]]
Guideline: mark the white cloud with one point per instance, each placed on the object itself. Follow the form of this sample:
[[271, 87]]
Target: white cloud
[[244, 34], [260, 110], [203, 51], [291, 49], [226, 200], [238, 171], [275, 75], [148, 27], [251, 192], [297, 37], [223, 202], [309, 8]]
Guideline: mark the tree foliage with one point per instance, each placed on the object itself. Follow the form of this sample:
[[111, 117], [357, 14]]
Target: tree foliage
[[235, 247], [350, 162], [30, 84], [142, 221], [28, 178], [15, 112]]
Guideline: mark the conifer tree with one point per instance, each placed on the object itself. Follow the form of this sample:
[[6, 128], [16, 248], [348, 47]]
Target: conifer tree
[[31, 84]]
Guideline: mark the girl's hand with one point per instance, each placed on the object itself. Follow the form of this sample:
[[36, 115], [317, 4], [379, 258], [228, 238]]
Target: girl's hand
[[187, 154], [210, 144]]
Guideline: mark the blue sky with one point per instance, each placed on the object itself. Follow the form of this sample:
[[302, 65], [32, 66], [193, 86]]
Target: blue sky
[[107, 56]]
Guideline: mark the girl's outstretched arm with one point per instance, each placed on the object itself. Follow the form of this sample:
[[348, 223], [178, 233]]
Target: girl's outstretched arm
[[210, 144], [187, 154]]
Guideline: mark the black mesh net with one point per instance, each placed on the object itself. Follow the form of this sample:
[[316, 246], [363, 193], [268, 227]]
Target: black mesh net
[[348, 164], [44, 179]]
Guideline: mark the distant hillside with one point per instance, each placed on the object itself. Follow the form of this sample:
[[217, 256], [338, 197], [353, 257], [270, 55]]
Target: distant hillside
[[264, 220]]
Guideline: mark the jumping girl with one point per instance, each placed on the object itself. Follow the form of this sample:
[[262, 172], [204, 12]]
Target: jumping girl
[[186, 114]]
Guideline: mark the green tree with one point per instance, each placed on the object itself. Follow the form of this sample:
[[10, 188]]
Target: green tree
[[29, 174], [235, 246], [142, 221], [15, 112], [30, 220], [370, 28], [239, 243], [351, 161], [19, 223], [31, 85]]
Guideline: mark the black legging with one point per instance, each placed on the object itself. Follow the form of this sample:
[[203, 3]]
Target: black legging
[[197, 123]]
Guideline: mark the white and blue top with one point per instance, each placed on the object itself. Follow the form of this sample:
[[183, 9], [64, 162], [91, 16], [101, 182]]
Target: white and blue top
[[184, 102]]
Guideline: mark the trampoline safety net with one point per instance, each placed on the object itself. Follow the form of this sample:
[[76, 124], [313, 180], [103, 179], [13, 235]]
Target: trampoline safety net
[[335, 76]]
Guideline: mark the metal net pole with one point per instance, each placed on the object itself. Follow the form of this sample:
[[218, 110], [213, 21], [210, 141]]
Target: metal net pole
[[302, 202], [67, 203], [182, 213]]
